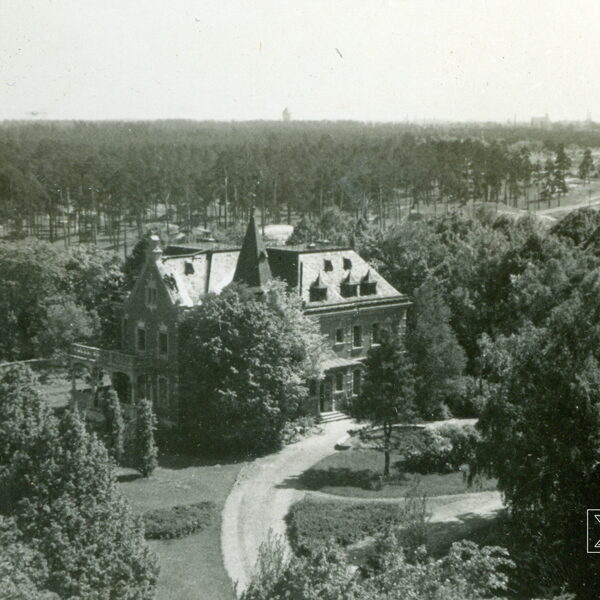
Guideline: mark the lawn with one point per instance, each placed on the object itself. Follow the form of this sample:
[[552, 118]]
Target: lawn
[[356, 473], [190, 567]]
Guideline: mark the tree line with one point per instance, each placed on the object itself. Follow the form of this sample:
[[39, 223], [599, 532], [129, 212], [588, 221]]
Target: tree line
[[73, 181]]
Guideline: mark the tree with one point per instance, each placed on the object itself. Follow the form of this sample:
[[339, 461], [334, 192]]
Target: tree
[[323, 576], [114, 424], [541, 429], [71, 512], [586, 166], [562, 162], [467, 572], [23, 571], [245, 363], [435, 352], [146, 452], [387, 391]]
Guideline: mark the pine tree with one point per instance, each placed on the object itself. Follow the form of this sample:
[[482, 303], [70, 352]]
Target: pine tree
[[387, 391], [146, 452], [114, 424], [586, 166]]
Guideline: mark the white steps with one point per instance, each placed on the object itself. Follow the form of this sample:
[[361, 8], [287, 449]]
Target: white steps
[[333, 415]]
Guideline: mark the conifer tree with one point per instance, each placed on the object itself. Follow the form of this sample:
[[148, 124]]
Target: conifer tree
[[387, 391], [114, 424], [146, 452], [73, 514]]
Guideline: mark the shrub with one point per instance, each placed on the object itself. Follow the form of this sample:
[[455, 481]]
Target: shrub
[[311, 524], [441, 450], [146, 451], [297, 429], [178, 521]]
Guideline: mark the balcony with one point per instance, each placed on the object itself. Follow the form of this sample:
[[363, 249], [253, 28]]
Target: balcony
[[109, 360]]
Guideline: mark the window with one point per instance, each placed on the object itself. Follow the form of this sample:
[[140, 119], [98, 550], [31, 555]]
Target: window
[[327, 265], [375, 334], [368, 285], [339, 382], [357, 336], [368, 288], [348, 290], [151, 294], [312, 387], [163, 343], [356, 382], [339, 336], [318, 294], [347, 264], [141, 338], [163, 391]]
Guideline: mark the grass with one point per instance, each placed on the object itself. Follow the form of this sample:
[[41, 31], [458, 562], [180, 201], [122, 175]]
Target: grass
[[190, 567], [355, 473]]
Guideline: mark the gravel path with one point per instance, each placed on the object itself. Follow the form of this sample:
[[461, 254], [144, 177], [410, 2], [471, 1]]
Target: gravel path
[[262, 495], [266, 489]]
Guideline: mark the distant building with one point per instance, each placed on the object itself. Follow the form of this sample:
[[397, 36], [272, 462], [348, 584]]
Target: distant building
[[351, 301], [286, 115], [541, 122]]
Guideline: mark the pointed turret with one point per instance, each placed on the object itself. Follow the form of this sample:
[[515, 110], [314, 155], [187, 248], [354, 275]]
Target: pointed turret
[[252, 266]]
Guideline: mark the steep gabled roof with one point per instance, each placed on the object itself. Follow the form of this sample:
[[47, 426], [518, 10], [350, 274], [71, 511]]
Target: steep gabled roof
[[252, 266]]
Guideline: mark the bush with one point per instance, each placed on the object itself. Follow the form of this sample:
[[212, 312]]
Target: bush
[[441, 450], [311, 524], [297, 429], [178, 521], [467, 397]]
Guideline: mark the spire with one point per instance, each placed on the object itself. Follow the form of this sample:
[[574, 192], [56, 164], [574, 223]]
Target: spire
[[252, 266]]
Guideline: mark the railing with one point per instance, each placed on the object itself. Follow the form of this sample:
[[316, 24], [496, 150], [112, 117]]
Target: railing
[[108, 359]]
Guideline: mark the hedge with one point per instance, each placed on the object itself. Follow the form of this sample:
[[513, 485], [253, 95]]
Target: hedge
[[178, 521]]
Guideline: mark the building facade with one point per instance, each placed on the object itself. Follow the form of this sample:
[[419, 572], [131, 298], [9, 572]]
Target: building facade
[[351, 302]]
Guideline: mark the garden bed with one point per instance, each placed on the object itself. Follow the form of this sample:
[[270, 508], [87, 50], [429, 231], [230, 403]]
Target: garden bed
[[178, 521]]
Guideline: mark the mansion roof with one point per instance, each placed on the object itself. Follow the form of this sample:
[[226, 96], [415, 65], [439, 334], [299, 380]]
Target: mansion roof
[[324, 277]]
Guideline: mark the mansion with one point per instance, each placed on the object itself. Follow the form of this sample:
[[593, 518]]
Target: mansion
[[351, 301]]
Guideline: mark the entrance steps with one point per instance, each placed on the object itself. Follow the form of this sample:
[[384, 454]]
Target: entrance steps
[[332, 415]]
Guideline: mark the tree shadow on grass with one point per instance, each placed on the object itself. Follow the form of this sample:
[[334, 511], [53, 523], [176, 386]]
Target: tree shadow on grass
[[128, 477], [185, 461], [482, 529], [317, 479]]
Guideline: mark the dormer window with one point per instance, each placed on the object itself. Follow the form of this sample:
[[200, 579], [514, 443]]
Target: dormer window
[[188, 267], [318, 290], [327, 265], [349, 286], [368, 285]]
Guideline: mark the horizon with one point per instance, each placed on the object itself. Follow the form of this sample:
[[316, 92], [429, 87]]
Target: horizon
[[386, 61]]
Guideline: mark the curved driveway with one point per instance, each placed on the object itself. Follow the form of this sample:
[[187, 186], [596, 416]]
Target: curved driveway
[[261, 498], [266, 489]]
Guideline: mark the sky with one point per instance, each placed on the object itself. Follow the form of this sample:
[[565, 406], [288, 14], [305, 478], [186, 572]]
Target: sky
[[368, 60]]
